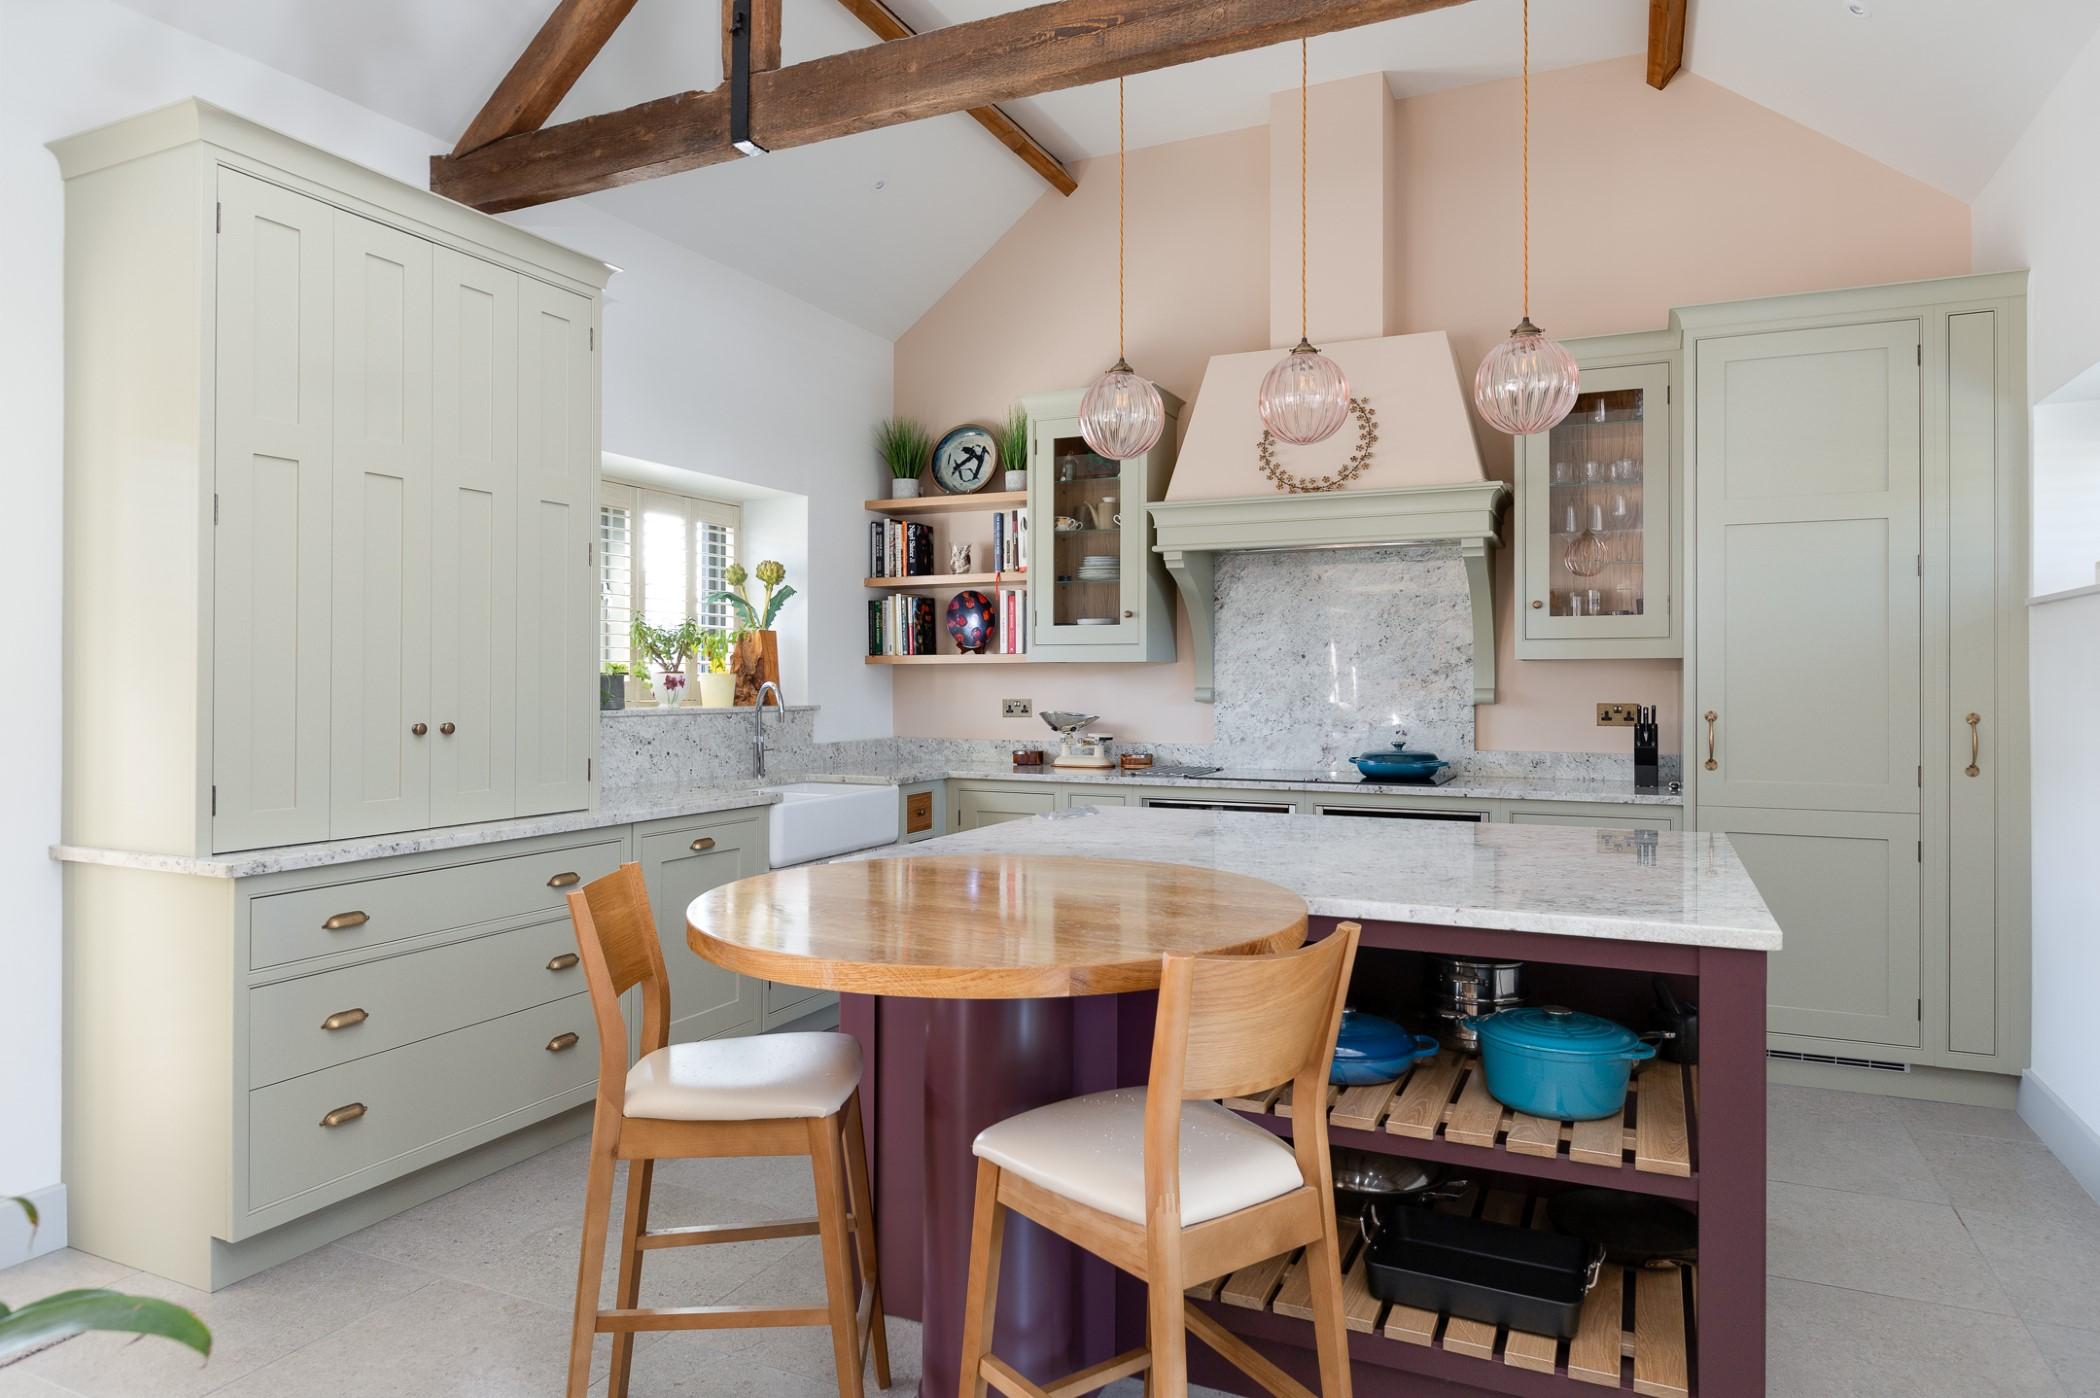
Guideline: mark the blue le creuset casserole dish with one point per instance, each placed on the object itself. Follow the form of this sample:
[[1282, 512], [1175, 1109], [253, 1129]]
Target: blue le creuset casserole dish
[[1397, 764], [1370, 1049], [1558, 1063]]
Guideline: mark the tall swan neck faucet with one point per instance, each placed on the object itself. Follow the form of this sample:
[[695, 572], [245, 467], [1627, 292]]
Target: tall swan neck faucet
[[758, 716]]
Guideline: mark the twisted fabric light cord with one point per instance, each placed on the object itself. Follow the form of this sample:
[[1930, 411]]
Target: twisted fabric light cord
[[1122, 194], [1527, 159], [1304, 254]]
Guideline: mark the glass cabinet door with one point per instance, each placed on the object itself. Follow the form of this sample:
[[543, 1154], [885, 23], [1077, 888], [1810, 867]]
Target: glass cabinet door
[[1596, 494], [1089, 558]]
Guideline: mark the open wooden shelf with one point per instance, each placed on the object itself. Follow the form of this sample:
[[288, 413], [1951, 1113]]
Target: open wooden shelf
[[992, 659], [1443, 1103], [1016, 578], [982, 501], [1632, 1334]]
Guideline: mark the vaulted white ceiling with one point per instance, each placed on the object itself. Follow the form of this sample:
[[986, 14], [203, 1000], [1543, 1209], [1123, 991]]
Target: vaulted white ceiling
[[875, 227]]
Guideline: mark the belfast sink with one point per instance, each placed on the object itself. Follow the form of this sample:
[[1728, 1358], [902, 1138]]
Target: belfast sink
[[818, 819]]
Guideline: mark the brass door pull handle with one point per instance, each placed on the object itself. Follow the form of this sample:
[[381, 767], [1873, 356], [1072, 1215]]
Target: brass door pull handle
[[564, 880], [343, 922], [419, 729], [447, 729], [705, 842], [1536, 604], [561, 1041], [1975, 744], [344, 1115], [1711, 719], [344, 1019], [562, 962]]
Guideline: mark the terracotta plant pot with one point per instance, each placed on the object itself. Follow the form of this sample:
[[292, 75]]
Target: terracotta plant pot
[[755, 660], [717, 691], [904, 487]]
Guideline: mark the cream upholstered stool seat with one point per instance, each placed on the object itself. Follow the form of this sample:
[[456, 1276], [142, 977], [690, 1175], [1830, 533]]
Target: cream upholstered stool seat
[[749, 1079], [1091, 1150], [783, 1094]]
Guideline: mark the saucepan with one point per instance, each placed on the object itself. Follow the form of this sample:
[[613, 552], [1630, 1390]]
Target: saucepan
[[1366, 1183]]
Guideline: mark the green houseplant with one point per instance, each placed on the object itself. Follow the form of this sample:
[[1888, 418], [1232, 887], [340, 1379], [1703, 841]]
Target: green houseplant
[[34, 1324], [668, 648], [904, 445], [756, 658], [1013, 448], [717, 685], [612, 687]]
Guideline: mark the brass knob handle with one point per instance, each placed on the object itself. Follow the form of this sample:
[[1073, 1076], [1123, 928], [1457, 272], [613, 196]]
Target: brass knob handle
[[564, 880], [1711, 719], [562, 962], [344, 1114], [704, 842], [344, 1019], [419, 729], [561, 1041], [447, 729], [1536, 604], [342, 922], [1129, 613], [1975, 745]]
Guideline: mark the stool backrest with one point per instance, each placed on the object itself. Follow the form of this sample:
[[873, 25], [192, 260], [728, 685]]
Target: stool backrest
[[617, 942]]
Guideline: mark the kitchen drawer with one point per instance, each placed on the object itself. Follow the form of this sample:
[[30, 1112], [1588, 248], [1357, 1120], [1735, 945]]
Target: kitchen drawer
[[397, 1000], [1629, 821], [1078, 797], [291, 926], [779, 996], [413, 1097], [977, 807]]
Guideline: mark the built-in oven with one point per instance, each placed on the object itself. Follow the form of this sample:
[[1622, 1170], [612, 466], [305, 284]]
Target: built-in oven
[[1387, 813], [1266, 807]]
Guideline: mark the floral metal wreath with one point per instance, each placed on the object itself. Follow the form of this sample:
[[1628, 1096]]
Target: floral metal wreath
[[1366, 435]]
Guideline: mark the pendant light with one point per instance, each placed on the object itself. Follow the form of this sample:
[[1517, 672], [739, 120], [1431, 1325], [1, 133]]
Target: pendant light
[[1121, 415], [1527, 383], [1305, 398]]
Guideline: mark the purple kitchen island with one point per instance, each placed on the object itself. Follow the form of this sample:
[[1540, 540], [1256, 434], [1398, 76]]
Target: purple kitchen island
[[1600, 917]]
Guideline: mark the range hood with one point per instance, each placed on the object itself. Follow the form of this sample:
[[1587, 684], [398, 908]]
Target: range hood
[[1424, 484]]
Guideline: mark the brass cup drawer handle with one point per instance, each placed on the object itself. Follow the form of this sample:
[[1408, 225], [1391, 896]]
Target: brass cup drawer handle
[[561, 1041], [1711, 719], [564, 880], [705, 842], [343, 922], [1975, 722], [562, 962], [344, 1115], [345, 1019]]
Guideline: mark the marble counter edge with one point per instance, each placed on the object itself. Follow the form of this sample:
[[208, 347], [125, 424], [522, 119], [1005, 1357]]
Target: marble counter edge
[[1481, 789]]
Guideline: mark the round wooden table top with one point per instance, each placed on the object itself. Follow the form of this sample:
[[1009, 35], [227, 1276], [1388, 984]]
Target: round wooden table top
[[986, 926]]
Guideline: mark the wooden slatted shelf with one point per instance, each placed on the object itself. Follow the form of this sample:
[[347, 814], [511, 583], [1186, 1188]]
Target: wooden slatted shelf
[[1446, 1099], [1631, 1336]]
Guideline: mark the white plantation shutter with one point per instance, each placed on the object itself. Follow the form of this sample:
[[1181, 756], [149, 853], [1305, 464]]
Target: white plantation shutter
[[615, 575], [663, 555]]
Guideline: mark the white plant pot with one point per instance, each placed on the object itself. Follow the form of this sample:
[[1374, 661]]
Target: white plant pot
[[717, 691], [904, 487], [1016, 480]]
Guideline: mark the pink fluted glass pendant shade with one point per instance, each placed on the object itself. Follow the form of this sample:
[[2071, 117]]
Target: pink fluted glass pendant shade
[[1121, 415], [1527, 383], [1305, 398]]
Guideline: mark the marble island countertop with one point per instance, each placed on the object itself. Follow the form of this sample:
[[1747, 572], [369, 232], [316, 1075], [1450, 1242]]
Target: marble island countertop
[[1325, 780], [1618, 885]]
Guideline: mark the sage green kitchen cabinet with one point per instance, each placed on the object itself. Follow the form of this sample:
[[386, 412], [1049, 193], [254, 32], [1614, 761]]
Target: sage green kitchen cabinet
[[1072, 797], [680, 861], [979, 806], [1627, 818], [331, 460], [1082, 505]]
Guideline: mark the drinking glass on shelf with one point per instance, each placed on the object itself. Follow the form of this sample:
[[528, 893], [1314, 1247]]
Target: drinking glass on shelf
[[1594, 600], [1563, 472], [1591, 473], [1574, 604], [1625, 601], [1568, 524], [1597, 413]]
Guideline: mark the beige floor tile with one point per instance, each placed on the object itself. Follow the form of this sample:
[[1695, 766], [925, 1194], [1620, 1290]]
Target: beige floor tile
[[2075, 1355], [1844, 1140], [1984, 1173], [1964, 1120], [449, 1340], [1833, 1343], [16, 1383], [63, 1270], [1866, 1242], [806, 1351], [252, 1322], [2049, 1269]]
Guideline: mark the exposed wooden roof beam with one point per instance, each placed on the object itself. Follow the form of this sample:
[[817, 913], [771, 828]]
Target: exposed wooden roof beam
[[545, 72], [1665, 40], [884, 23], [1045, 48]]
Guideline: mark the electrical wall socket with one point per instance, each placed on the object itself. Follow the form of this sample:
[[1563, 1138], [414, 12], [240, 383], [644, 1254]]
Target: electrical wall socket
[[1016, 708], [1616, 715]]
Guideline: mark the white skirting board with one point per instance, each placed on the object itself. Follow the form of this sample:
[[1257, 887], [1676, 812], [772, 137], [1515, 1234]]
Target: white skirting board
[[18, 1242], [2070, 1137]]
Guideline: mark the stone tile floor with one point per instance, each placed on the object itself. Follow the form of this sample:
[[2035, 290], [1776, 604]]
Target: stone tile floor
[[1916, 1250]]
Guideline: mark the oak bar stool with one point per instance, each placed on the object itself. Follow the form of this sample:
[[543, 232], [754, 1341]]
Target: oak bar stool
[[1176, 1194], [782, 1094]]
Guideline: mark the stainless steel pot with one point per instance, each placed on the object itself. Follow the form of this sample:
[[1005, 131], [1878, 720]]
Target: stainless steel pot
[[1365, 1179], [1459, 980]]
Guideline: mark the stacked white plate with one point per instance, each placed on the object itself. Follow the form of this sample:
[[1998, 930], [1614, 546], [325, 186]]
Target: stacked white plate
[[1100, 567]]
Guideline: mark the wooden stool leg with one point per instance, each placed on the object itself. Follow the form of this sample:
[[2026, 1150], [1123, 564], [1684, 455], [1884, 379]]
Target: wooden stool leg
[[862, 1201], [1323, 1266], [981, 1303], [828, 1165], [629, 1294], [590, 1271], [1169, 1374], [1148, 1347]]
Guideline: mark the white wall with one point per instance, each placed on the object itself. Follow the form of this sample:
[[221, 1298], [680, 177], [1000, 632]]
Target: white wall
[[703, 368], [2039, 211]]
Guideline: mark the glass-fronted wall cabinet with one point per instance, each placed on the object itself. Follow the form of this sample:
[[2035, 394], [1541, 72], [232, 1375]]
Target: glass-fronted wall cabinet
[[1096, 589], [1597, 561]]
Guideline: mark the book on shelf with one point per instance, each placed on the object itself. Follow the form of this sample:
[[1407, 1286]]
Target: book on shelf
[[901, 625], [1013, 621], [899, 549]]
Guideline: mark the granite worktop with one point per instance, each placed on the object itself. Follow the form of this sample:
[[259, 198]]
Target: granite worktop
[[1619, 885], [1281, 780]]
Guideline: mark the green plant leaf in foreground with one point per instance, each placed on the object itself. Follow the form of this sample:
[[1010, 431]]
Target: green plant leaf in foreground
[[71, 1312]]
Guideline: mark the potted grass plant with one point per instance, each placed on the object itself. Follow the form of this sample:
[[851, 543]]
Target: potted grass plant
[[904, 445], [717, 685], [1013, 448]]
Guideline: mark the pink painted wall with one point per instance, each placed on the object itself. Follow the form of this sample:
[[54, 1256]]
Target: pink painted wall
[[1640, 201]]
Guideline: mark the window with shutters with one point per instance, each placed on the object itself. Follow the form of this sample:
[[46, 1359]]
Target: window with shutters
[[662, 555]]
